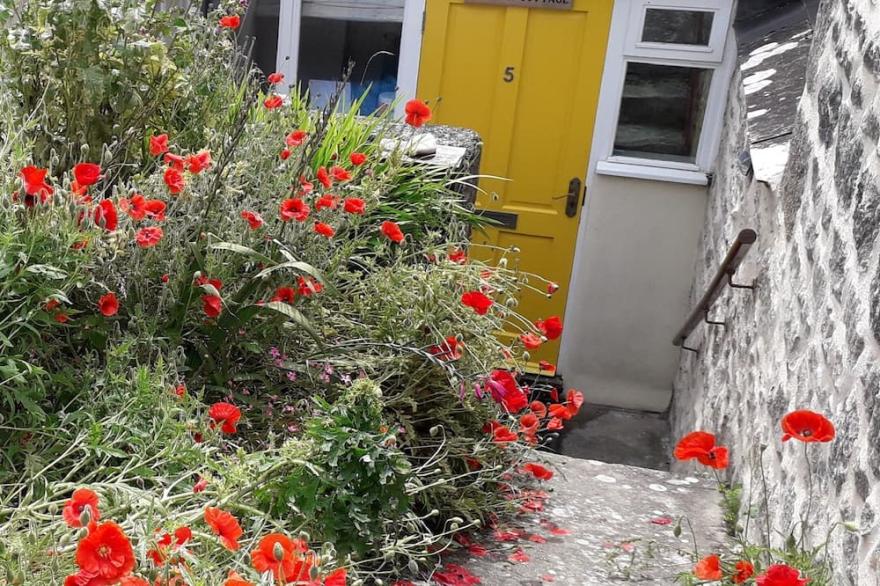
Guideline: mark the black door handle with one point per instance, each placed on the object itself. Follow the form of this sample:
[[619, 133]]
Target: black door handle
[[571, 198]]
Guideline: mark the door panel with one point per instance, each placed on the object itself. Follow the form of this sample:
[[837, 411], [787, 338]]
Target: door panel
[[527, 80]]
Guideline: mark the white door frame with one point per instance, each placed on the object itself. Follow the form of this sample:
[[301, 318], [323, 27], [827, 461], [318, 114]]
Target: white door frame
[[287, 59]]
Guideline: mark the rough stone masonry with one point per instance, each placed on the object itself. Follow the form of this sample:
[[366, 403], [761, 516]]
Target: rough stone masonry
[[809, 336]]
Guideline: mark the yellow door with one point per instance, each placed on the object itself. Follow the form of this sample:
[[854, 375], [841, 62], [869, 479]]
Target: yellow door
[[526, 79]]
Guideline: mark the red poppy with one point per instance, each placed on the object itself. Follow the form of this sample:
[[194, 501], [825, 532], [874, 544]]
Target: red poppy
[[392, 231], [296, 138], [158, 145], [105, 553], [108, 304], [708, 568], [136, 207], [174, 180], [225, 526], [552, 288], [573, 401], [204, 280], [551, 327], [477, 301], [455, 575], [235, 580], [357, 159], [87, 173], [174, 161], [35, 182], [447, 350], [417, 113], [198, 162], [133, 581], [285, 295], [701, 446], [546, 366], [354, 205], [149, 236], [231, 21], [275, 78], [324, 177], [555, 424], [324, 229], [200, 485], [295, 561], [212, 306], [560, 411], [305, 185], [502, 435], [294, 209], [538, 408], [744, 571], [807, 426], [61, 317], [340, 174], [336, 577], [273, 101], [531, 341], [307, 286], [326, 201], [105, 215], [458, 256], [504, 390], [538, 471], [254, 220], [81, 192], [781, 575], [80, 500], [529, 421], [225, 413], [284, 154]]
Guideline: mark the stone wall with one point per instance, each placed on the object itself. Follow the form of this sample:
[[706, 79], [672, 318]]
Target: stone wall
[[808, 336]]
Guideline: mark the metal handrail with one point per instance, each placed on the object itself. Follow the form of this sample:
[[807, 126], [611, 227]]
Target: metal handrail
[[724, 277]]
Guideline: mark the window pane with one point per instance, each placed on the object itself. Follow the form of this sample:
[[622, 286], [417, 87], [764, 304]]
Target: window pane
[[261, 23], [679, 27], [661, 112]]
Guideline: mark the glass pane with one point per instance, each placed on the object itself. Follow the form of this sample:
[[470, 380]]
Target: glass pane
[[261, 23], [661, 112], [679, 27], [327, 45]]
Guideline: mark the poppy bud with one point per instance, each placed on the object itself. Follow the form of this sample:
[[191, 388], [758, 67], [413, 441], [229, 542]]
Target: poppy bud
[[477, 523], [526, 356], [313, 573], [361, 583], [85, 517], [278, 552], [413, 566], [305, 536], [433, 513], [503, 262], [434, 431], [676, 531], [851, 526]]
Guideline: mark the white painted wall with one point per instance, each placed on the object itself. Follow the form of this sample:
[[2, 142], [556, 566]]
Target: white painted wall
[[630, 288]]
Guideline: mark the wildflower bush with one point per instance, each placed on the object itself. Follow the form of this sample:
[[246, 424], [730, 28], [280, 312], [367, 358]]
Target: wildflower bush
[[241, 343]]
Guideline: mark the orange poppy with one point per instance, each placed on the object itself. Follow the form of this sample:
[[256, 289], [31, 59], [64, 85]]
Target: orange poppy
[[708, 568], [225, 526], [288, 559]]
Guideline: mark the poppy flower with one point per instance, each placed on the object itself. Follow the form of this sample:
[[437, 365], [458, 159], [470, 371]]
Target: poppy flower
[[560, 411], [275, 78], [200, 485], [781, 575], [108, 304], [285, 295], [273, 101], [307, 286], [573, 401], [198, 162], [254, 220], [35, 184], [133, 581], [105, 215], [354, 205], [324, 177], [294, 209], [158, 145], [225, 413], [149, 236], [504, 390], [538, 471], [288, 559], [284, 154], [743, 571], [552, 288], [61, 317], [538, 408], [235, 580], [455, 575], [174, 161], [807, 426], [324, 229], [174, 180], [551, 327], [708, 568], [555, 424], [326, 201], [230, 21], [305, 185], [336, 577], [212, 306], [531, 341], [155, 209], [417, 113], [357, 159], [135, 207], [701, 446], [224, 525], [477, 301], [87, 174], [81, 192], [80, 500], [502, 435], [547, 366], [105, 553], [296, 138], [340, 174], [447, 350], [457, 256], [528, 421], [392, 231]]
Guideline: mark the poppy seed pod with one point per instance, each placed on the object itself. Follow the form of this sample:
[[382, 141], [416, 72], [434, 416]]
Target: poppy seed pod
[[85, 517], [313, 573], [413, 566], [278, 552]]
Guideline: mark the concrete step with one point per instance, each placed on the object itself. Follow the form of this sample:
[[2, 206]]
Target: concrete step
[[620, 522]]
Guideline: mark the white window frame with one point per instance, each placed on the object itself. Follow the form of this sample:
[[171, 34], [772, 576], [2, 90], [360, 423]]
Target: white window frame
[[713, 52], [622, 50], [287, 59]]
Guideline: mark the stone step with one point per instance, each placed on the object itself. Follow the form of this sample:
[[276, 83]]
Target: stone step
[[620, 521]]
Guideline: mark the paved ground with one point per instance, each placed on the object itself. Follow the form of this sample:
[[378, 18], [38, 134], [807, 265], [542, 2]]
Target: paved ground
[[603, 524]]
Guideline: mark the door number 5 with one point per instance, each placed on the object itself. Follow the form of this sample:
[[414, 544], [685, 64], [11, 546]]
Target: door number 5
[[508, 74]]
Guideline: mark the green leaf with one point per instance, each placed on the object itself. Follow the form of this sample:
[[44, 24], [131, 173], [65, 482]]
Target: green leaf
[[232, 247], [293, 264], [48, 270], [295, 317]]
